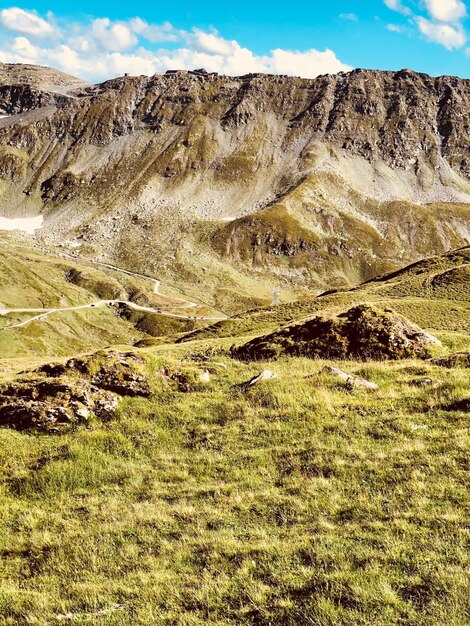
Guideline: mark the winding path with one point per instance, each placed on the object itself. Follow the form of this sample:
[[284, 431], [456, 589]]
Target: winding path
[[185, 304], [94, 305], [45, 312]]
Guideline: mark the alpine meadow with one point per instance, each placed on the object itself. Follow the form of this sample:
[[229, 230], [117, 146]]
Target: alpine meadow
[[234, 315]]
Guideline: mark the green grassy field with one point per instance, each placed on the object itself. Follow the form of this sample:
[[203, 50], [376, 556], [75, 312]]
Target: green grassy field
[[297, 502], [434, 293]]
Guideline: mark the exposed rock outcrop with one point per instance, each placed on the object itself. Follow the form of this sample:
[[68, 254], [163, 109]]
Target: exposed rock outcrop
[[53, 406], [120, 373], [363, 333], [72, 393], [459, 359]]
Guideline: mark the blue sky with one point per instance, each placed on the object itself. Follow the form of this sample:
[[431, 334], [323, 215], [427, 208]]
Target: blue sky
[[98, 40]]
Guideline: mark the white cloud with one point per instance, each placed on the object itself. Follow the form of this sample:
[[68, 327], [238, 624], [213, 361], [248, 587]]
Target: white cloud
[[239, 61], [394, 28], [397, 5], [153, 32], [308, 63], [351, 17], [212, 43], [64, 58], [446, 10], [25, 49], [101, 48], [112, 36], [451, 37], [444, 24], [20, 21]]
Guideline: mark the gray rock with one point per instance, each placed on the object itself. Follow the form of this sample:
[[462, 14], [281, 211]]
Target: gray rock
[[82, 414], [349, 379], [264, 375], [205, 377]]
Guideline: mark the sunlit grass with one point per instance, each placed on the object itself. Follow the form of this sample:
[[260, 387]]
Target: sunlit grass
[[297, 502]]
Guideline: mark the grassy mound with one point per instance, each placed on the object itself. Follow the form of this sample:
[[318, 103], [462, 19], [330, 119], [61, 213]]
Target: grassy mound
[[363, 332]]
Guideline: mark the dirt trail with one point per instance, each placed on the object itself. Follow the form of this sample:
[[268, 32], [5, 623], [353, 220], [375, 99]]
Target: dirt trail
[[185, 304], [94, 305], [180, 303]]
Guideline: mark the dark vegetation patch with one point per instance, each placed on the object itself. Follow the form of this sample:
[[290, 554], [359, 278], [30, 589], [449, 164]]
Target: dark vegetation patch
[[109, 289], [459, 405], [154, 324], [120, 373]]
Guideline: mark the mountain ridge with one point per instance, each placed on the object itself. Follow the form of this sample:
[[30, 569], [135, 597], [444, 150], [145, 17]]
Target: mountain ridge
[[371, 167]]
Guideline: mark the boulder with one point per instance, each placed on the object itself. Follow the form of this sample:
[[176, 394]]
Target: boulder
[[187, 379], [205, 376], [105, 406], [53, 406], [110, 371], [426, 382], [458, 359]]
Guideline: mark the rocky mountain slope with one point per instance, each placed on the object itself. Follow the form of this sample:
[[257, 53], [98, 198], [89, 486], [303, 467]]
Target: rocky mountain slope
[[231, 183], [25, 88]]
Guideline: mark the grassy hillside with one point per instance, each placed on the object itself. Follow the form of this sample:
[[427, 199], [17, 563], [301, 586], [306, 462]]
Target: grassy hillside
[[299, 502], [434, 293], [31, 278]]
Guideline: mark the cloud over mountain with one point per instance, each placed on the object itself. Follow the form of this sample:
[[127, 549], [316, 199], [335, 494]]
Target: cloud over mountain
[[101, 48]]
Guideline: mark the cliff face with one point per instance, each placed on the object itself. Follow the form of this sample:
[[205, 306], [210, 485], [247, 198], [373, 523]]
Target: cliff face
[[372, 167], [397, 117]]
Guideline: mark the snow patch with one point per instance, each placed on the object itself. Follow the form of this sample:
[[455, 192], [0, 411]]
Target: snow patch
[[27, 225]]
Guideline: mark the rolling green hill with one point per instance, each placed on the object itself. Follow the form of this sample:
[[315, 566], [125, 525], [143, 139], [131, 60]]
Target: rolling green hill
[[33, 279], [434, 293]]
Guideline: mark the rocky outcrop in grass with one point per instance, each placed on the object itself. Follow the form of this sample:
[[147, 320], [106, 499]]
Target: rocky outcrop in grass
[[53, 406], [362, 333], [73, 393], [459, 359]]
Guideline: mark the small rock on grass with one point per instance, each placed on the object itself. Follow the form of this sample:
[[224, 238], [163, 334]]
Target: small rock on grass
[[426, 382], [205, 377], [264, 375], [350, 380]]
